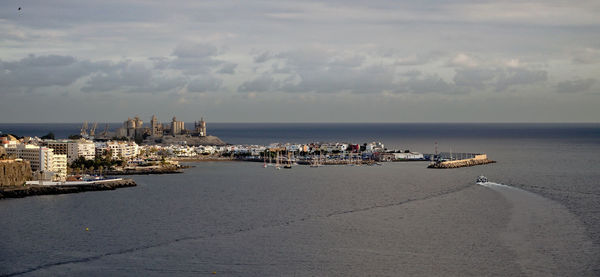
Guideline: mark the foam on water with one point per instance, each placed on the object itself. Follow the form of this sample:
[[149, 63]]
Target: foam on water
[[546, 238]]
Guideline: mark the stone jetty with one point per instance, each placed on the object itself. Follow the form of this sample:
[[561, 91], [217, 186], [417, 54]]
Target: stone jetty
[[31, 190], [477, 160]]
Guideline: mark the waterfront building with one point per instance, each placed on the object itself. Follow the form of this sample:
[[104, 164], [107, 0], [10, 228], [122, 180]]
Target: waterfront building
[[73, 149], [81, 148], [123, 150], [374, 147], [60, 147], [41, 159], [59, 167]]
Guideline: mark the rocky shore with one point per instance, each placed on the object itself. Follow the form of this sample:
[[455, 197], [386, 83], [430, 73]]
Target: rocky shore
[[31, 190]]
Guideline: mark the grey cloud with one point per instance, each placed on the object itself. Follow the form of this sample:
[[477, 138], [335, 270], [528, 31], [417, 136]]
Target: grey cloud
[[204, 84], [263, 57], [412, 73], [195, 58], [427, 84], [132, 77], [418, 59], [519, 76], [474, 78], [227, 68], [39, 71], [374, 79], [351, 61], [586, 56], [574, 86], [263, 83], [195, 51]]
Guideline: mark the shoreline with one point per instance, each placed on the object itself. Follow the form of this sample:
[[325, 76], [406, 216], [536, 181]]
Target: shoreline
[[33, 190]]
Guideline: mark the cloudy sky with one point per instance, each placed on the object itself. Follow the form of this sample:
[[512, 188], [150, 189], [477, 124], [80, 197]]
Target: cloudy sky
[[300, 61]]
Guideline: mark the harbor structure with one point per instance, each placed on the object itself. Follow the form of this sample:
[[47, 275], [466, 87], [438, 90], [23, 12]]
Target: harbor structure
[[177, 127], [156, 128], [200, 127], [132, 128], [477, 159], [135, 129]]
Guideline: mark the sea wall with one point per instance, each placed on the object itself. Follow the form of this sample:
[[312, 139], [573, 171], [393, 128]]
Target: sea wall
[[14, 172], [477, 160], [31, 190]]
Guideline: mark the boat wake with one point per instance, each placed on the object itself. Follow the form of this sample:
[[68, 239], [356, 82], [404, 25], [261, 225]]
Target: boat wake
[[545, 236]]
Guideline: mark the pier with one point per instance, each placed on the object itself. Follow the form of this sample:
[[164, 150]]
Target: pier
[[479, 159]]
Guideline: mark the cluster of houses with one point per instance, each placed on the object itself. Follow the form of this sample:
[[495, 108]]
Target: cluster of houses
[[372, 151], [50, 158]]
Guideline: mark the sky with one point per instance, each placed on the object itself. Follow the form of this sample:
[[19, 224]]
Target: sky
[[300, 61]]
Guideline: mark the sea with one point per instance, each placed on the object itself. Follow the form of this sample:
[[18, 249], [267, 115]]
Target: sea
[[538, 216]]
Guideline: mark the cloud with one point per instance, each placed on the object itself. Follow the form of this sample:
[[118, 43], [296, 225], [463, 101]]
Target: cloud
[[200, 50], [204, 84], [227, 68], [574, 86], [41, 71], [263, 57], [477, 78], [463, 60], [418, 59], [427, 84], [263, 83], [586, 56], [519, 76], [195, 58], [132, 77]]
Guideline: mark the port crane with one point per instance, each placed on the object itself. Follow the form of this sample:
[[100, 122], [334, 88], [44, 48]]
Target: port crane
[[105, 132], [93, 130], [84, 128]]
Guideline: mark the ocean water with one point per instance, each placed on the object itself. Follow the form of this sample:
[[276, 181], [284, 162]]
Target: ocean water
[[239, 219]]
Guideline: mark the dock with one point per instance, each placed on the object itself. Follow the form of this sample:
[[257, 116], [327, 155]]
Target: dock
[[479, 159]]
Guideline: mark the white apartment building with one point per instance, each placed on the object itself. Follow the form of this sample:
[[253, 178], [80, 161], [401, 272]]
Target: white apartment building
[[41, 159], [123, 150], [73, 148], [81, 148], [59, 167]]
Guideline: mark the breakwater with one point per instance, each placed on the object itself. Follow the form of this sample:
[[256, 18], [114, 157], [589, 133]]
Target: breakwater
[[477, 160], [145, 171], [31, 190]]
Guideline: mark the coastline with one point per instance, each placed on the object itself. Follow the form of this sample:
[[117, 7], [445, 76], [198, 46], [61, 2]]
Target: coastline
[[32, 190]]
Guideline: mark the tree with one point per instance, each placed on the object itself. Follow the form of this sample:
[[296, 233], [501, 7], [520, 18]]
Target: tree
[[75, 137], [50, 135]]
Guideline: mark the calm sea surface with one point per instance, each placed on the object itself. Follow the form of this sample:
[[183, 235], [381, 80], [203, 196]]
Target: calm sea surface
[[238, 219]]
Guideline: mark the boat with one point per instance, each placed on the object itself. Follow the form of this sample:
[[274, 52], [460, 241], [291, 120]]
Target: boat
[[482, 179]]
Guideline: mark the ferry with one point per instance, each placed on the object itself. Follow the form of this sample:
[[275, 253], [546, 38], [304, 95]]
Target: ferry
[[482, 179]]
